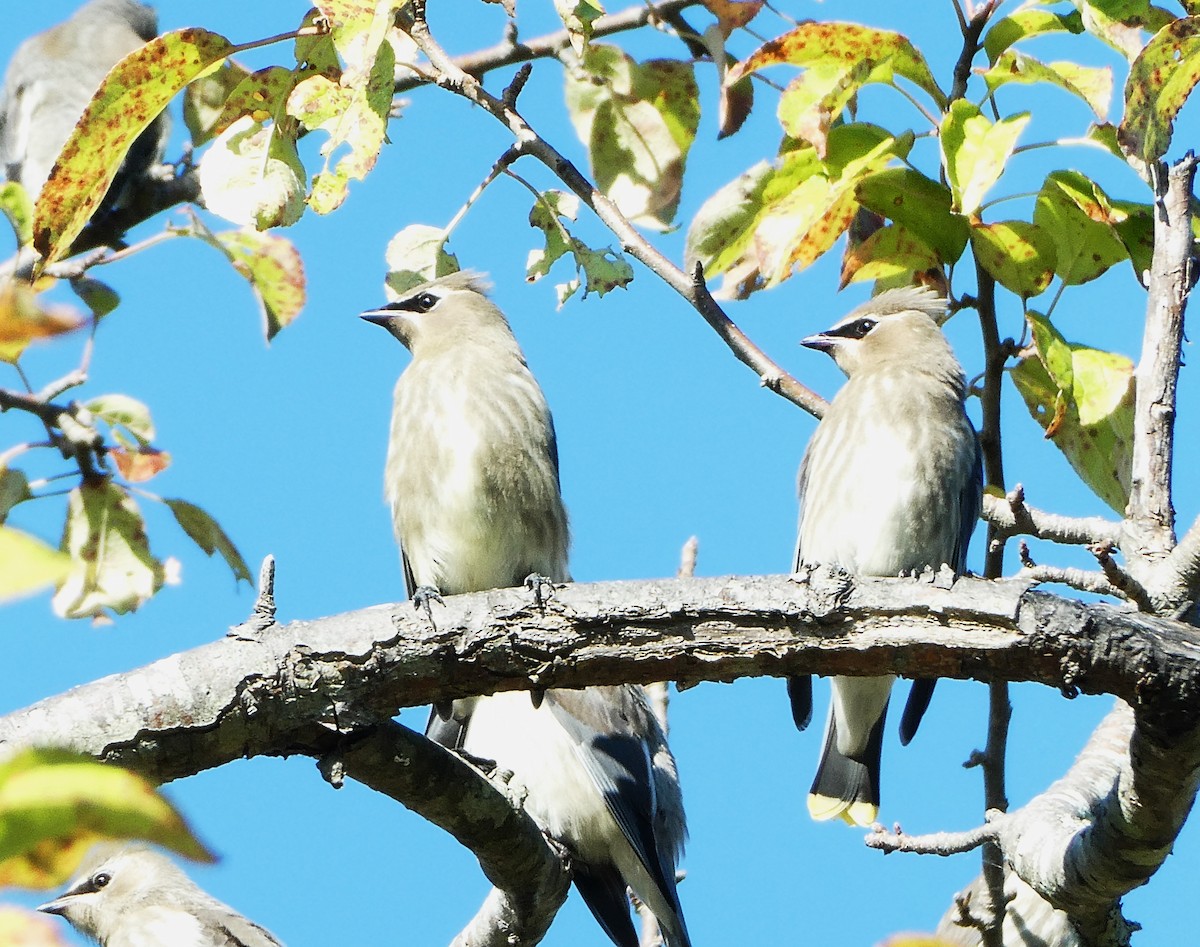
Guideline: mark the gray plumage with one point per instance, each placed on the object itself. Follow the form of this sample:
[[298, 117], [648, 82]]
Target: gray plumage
[[891, 483], [472, 479], [52, 77], [130, 896]]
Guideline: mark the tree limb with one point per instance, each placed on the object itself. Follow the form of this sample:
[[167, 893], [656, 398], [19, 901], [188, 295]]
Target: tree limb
[[1011, 517]]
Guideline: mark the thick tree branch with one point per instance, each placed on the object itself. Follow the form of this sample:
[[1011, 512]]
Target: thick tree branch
[[692, 288], [1150, 518], [510, 51]]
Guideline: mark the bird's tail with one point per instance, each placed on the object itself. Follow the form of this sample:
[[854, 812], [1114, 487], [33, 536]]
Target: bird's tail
[[846, 787]]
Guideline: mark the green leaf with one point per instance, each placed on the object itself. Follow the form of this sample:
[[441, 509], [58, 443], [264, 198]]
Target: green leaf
[[1077, 212], [1134, 224], [1092, 421], [578, 17], [14, 489], [219, 99], [639, 121], [1093, 85], [416, 255], [131, 96], [921, 205], [55, 804], [252, 175], [99, 297], [205, 97], [273, 267], [1019, 255], [1120, 23], [1160, 80], [603, 269], [816, 98], [112, 567], [26, 564], [887, 253], [975, 151], [18, 208], [816, 44], [1025, 24], [125, 412], [204, 531], [354, 110]]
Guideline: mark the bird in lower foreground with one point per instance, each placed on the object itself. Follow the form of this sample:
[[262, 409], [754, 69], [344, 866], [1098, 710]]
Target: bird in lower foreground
[[50, 81], [130, 896], [472, 479], [891, 484]]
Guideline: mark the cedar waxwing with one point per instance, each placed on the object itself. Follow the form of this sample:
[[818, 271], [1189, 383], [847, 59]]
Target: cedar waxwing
[[130, 896], [50, 81], [891, 484], [472, 478]]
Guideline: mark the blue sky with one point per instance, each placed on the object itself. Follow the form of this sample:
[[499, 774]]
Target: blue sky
[[662, 435]]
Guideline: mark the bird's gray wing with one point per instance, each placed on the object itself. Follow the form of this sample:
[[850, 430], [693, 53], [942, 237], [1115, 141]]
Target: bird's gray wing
[[448, 729], [618, 759], [970, 497], [604, 892], [410, 583], [799, 688], [228, 929]]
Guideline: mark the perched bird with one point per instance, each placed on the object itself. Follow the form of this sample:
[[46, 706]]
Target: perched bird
[[130, 896], [472, 478], [891, 483], [50, 81]]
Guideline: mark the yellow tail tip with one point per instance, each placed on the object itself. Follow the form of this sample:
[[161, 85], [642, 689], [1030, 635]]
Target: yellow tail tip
[[852, 812]]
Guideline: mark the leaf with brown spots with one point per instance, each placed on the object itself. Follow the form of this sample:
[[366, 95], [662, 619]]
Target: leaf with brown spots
[[889, 252], [847, 44], [273, 267], [1018, 254], [1160, 80], [1093, 85], [921, 204], [1025, 24], [733, 14], [132, 95], [1078, 213]]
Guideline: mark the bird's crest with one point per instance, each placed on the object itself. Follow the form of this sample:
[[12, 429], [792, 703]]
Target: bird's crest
[[904, 299]]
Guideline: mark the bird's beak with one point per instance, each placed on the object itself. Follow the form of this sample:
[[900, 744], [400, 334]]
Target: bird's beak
[[376, 318], [57, 906], [821, 342]]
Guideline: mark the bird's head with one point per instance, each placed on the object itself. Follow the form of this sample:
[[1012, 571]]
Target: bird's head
[[112, 878], [897, 326], [442, 313]]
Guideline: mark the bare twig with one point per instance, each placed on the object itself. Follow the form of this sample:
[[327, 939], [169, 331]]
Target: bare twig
[[935, 843], [509, 51], [1119, 578], [1009, 516]]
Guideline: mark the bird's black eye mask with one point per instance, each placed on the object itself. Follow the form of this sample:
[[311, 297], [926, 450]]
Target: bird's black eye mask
[[93, 884], [422, 302], [854, 330]]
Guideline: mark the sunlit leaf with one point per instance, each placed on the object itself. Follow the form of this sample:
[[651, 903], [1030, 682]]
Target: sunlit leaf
[[140, 464], [206, 533], [1093, 85], [132, 95], [123, 411], [603, 269], [1025, 24], [99, 297], [1077, 212], [975, 151], [352, 110], [1120, 23], [18, 208], [1019, 255], [27, 564], [274, 269], [578, 17], [813, 44], [24, 319], [55, 804], [416, 255], [1091, 422], [817, 97], [252, 175], [1134, 224], [922, 205], [1160, 80], [733, 14], [260, 95], [639, 121], [889, 252], [205, 97], [112, 567]]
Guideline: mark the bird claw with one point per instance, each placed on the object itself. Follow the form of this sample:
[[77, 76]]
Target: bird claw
[[422, 599], [541, 587]]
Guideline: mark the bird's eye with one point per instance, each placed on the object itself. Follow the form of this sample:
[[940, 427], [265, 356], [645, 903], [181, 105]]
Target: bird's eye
[[860, 327], [426, 301], [100, 879]]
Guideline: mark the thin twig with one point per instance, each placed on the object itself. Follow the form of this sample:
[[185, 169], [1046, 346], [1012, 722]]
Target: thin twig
[[935, 843], [1009, 516], [1119, 578]]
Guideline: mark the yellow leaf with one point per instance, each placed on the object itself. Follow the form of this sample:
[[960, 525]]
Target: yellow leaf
[[28, 564]]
